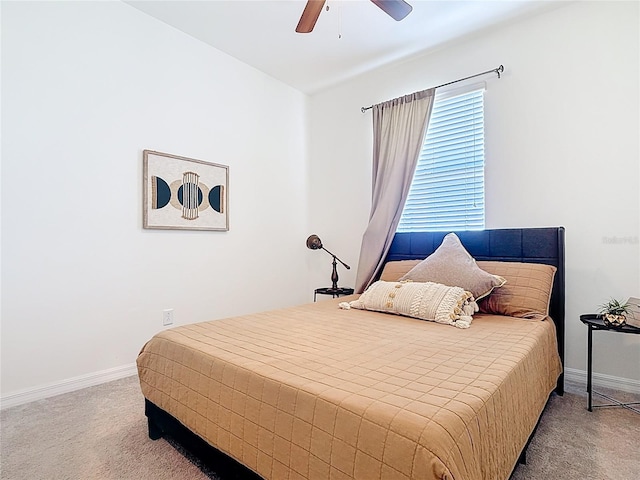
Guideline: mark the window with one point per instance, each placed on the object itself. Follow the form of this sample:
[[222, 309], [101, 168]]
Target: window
[[447, 191]]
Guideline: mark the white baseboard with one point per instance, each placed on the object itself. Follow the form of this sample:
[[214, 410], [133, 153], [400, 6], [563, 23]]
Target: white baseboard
[[601, 380], [66, 386]]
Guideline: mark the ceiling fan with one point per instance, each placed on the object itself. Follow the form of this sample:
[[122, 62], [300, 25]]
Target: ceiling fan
[[396, 9]]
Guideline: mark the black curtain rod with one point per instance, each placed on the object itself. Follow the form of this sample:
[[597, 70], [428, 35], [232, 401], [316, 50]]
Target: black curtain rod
[[498, 70]]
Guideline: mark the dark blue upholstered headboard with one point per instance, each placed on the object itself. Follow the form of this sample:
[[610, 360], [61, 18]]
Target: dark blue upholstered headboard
[[530, 245]]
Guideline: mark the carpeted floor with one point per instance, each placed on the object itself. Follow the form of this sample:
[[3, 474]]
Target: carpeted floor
[[101, 433], [95, 433], [572, 443]]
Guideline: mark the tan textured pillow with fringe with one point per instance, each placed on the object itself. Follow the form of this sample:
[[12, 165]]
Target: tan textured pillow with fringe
[[425, 301]]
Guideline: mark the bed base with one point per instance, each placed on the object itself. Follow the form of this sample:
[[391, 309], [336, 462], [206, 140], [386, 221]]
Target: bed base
[[161, 424]]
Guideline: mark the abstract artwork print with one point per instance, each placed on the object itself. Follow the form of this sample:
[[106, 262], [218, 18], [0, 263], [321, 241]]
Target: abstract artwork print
[[184, 193]]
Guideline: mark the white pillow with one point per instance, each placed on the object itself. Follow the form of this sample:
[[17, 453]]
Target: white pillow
[[426, 301]]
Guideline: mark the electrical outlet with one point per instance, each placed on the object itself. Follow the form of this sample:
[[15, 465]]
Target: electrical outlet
[[167, 316]]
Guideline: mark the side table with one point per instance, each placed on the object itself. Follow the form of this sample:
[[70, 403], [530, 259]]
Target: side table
[[334, 292], [595, 322]]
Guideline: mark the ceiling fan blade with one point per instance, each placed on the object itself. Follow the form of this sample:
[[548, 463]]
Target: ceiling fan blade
[[310, 15], [396, 9]]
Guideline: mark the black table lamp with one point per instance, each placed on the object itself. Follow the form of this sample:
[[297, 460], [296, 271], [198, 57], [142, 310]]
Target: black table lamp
[[314, 243]]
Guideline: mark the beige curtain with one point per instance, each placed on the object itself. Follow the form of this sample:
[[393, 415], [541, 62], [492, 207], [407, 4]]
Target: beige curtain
[[399, 127]]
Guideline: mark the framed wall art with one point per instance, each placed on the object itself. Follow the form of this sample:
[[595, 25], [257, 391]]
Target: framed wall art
[[184, 193]]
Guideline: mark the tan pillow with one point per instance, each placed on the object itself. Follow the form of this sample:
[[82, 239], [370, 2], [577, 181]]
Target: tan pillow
[[527, 292], [452, 265], [426, 301], [395, 269]]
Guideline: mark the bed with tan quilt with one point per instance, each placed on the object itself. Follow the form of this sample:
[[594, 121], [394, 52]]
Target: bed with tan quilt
[[365, 387]]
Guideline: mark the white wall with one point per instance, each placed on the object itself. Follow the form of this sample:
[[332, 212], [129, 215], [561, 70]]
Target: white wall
[[86, 86], [562, 148]]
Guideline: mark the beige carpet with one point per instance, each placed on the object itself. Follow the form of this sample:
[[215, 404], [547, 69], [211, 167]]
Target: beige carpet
[[101, 433], [572, 443], [95, 433]]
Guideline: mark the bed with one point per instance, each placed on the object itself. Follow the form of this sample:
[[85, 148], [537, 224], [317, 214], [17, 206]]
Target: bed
[[321, 392]]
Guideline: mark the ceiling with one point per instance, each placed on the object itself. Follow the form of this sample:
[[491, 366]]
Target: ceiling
[[352, 37]]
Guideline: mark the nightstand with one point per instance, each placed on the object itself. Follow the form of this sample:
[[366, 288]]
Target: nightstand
[[334, 292], [595, 322]]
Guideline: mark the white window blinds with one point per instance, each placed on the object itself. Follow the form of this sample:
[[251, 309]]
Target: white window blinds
[[447, 191]]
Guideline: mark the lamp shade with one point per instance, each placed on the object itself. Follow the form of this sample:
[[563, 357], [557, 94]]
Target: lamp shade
[[314, 242]]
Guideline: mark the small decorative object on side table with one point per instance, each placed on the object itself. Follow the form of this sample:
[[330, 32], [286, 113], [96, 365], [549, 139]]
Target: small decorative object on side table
[[614, 313], [596, 322]]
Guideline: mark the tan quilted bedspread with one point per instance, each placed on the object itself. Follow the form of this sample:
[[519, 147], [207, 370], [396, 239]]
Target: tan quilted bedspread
[[317, 392]]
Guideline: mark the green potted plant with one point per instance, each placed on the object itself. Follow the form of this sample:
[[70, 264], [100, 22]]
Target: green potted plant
[[614, 312]]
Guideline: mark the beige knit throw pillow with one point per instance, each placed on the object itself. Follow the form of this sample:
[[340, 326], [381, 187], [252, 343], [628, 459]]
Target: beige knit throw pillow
[[426, 301]]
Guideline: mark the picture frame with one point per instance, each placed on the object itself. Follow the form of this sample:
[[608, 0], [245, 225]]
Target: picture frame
[[183, 193]]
